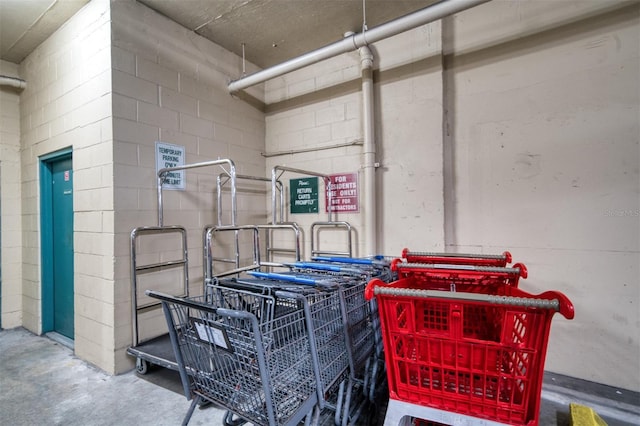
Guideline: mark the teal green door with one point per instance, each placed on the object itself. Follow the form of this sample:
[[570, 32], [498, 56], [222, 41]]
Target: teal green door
[[62, 245]]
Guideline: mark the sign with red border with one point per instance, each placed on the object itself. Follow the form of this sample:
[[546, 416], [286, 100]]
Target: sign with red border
[[344, 193]]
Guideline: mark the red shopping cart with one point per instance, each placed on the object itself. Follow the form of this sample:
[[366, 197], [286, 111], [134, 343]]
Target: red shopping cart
[[475, 354], [460, 277]]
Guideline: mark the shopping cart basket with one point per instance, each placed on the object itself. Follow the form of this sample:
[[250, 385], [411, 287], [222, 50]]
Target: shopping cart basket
[[480, 355], [355, 312], [376, 267], [500, 260], [342, 330], [362, 316], [323, 308], [461, 277], [256, 364]]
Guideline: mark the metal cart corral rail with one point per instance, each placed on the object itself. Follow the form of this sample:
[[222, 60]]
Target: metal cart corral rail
[[222, 180], [162, 173], [276, 173], [246, 358], [209, 259], [270, 229], [256, 262], [315, 229], [156, 350]]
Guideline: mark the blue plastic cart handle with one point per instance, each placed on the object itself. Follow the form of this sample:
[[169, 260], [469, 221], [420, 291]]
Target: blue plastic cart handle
[[283, 277], [318, 266], [352, 260]]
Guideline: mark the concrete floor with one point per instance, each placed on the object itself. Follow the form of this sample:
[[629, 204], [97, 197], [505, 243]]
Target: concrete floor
[[43, 383]]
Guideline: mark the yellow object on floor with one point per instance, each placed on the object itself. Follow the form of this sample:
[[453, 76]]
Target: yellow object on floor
[[582, 415]]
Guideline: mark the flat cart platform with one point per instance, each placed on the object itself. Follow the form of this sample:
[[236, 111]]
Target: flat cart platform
[[157, 351]]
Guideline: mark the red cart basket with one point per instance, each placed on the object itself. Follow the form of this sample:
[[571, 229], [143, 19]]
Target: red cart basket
[[460, 277], [476, 354]]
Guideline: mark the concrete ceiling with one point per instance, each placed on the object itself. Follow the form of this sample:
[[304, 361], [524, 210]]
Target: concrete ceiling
[[276, 30], [25, 24], [272, 30]]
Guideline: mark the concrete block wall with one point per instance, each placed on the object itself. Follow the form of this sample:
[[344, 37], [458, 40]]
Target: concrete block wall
[[67, 103], [409, 129], [320, 106], [10, 205], [542, 102], [170, 85], [511, 126]]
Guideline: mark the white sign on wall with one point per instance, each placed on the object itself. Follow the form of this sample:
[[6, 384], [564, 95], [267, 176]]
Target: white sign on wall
[[167, 156]]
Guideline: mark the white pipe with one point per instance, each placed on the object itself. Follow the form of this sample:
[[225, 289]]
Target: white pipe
[[369, 151], [391, 28], [14, 82]]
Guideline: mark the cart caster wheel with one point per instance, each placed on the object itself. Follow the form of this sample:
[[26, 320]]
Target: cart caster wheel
[[230, 421], [142, 366]]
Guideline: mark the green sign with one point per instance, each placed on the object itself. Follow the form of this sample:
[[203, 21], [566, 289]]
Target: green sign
[[304, 195]]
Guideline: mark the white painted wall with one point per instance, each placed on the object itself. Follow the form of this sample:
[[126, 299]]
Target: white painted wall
[[10, 206], [320, 106], [169, 85], [520, 133], [542, 102]]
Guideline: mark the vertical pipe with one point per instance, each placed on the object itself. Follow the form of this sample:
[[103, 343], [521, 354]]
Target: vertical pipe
[[369, 151]]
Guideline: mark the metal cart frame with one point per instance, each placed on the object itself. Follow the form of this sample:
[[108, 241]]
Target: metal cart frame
[[157, 350], [154, 350], [256, 364]]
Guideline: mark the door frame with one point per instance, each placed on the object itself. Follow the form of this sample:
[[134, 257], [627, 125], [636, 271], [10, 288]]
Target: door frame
[[46, 235]]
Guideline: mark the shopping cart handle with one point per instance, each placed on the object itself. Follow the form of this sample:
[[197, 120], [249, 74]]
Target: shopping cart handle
[[394, 264], [506, 256], [369, 289], [352, 260], [284, 277], [184, 301], [548, 300], [565, 307], [524, 273], [318, 266], [518, 269], [379, 257]]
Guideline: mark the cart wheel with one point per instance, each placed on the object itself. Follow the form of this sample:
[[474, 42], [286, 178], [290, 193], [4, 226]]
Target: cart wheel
[[230, 421], [142, 366]]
